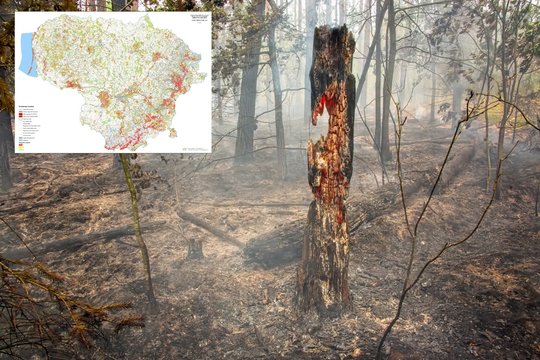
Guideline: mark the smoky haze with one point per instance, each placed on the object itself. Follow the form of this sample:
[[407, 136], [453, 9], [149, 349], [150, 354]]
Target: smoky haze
[[441, 212]]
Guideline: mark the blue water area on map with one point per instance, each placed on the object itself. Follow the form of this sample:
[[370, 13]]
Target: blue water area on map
[[28, 63]]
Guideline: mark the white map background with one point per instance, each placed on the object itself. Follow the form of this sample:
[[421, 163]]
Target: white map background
[[58, 110]]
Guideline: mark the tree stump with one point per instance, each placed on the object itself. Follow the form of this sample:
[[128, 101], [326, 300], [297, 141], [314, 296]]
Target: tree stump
[[322, 282], [195, 249]]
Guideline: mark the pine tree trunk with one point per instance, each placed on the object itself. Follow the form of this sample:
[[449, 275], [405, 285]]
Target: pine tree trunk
[[246, 125], [311, 22], [278, 103], [323, 276], [386, 154], [378, 77]]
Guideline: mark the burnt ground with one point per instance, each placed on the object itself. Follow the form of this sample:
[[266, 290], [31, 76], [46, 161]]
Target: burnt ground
[[479, 301]]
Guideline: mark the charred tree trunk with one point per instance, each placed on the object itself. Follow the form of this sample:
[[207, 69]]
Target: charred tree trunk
[[248, 88], [323, 275]]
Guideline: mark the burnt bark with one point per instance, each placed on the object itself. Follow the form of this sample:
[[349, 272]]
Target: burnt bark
[[322, 283]]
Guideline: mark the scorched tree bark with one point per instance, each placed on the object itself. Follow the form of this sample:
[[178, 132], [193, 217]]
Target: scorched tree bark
[[323, 275]]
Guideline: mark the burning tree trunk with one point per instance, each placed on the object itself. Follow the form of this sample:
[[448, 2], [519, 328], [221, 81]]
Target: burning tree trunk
[[323, 275]]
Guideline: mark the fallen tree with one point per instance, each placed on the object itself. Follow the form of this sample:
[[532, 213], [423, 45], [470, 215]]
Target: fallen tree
[[284, 245]]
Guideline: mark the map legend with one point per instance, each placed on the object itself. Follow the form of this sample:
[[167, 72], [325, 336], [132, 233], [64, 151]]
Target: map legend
[[27, 127]]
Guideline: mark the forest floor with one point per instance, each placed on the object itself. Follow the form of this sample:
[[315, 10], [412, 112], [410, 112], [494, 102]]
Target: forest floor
[[481, 300]]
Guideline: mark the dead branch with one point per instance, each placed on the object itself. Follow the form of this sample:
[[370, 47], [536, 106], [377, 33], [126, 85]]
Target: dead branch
[[410, 281], [76, 242], [48, 202], [211, 229]]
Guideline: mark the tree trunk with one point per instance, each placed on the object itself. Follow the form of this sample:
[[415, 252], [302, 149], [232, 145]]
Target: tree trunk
[[118, 5], [138, 234], [323, 276], [219, 101], [386, 154], [6, 148], [433, 91], [299, 15], [311, 21], [342, 12], [248, 89], [378, 75], [457, 98], [505, 95], [367, 32], [328, 12], [278, 102]]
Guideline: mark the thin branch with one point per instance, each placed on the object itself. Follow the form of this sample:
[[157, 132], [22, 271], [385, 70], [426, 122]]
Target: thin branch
[[406, 286], [18, 237]]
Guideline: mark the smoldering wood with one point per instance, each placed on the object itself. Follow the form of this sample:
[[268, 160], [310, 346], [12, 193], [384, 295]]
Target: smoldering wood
[[322, 278], [76, 242]]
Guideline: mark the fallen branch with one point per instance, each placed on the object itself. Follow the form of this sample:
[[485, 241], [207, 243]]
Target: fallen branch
[[48, 202], [211, 229], [455, 165], [74, 243]]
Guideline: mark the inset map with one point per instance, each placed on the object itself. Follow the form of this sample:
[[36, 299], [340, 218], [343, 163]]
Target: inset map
[[113, 82]]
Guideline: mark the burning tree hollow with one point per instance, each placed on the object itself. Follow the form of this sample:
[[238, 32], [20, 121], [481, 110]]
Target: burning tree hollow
[[323, 274]]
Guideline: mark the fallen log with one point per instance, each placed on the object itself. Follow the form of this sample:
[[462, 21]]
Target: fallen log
[[211, 229], [284, 245], [75, 242], [456, 163]]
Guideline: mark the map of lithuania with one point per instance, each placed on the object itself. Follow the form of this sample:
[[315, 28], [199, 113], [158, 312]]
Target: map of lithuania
[[129, 74]]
